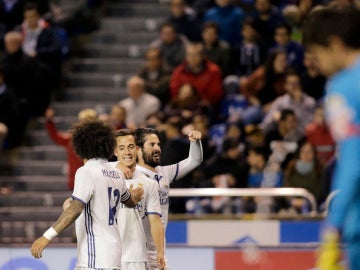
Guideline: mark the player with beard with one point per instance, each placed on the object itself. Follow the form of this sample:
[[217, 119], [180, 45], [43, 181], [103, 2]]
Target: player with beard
[[147, 139]]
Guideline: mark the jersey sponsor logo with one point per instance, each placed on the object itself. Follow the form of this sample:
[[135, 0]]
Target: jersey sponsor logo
[[111, 174]]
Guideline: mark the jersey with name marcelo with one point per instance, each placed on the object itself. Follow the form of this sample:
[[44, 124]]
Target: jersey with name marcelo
[[343, 116], [101, 189], [134, 226]]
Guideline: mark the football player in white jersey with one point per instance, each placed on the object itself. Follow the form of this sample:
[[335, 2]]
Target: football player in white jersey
[[147, 139], [96, 200], [140, 226]]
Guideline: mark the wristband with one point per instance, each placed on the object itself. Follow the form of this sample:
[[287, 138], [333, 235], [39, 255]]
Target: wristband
[[50, 234]]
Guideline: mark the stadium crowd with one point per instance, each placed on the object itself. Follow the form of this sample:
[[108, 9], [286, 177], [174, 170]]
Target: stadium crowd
[[234, 70]]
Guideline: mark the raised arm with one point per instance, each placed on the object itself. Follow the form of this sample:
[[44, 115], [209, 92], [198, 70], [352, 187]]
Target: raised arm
[[195, 155], [67, 217]]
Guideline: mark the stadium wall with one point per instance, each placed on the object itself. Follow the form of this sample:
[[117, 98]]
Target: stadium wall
[[205, 245]]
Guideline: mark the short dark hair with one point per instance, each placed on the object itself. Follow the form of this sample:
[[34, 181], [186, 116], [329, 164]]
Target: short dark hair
[[167, 24], [333, 21], [284, 113], [284, 25], [212, 25], [93, 139], [260, 150], [31, 6], [141, 134], [125, 132]]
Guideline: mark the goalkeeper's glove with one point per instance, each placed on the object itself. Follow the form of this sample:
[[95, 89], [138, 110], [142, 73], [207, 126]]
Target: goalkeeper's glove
[[329, 254]]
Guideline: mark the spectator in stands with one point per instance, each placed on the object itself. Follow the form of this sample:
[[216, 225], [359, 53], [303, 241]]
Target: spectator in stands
[[9, 115], [224, 170], [116, 118], [202, 74], [171, 44], [261, 174], [184, 20], [250, 52], [292, 16], [139, 104], [267, 82], [156, 75], [229, 18], [64, 139], [266, 17], [304, 171], [28, 78], [187, 104], [216, 50], [295, 99], [313, 81], [283, 136], [41, 41], [318, 134], [294, 51]]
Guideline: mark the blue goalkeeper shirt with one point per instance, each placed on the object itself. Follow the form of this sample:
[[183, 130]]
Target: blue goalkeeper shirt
[[342, 107]]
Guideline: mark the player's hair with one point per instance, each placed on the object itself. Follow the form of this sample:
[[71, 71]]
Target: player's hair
[[324, 23], [142, 133], [93, 139], [125, 132]]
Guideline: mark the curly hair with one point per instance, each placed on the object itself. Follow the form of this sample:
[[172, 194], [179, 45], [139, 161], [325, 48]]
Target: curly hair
[[93, 139], [141, 134]]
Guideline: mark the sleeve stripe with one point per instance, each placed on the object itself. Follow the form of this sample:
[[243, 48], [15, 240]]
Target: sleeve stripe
[[177, 172], [125, 196], [76, 198], [153, 213]]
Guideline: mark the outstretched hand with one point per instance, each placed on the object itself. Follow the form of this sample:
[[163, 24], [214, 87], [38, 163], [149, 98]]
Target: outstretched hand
[[38, 246], [194, 135]]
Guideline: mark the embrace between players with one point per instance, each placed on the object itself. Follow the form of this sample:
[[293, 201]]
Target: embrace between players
[[120, 208]]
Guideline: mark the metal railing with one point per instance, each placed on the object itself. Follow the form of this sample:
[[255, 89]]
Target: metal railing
[[246, 192], [328, 200]]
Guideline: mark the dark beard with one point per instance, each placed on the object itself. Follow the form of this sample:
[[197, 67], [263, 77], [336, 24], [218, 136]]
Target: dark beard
[[148, 160]]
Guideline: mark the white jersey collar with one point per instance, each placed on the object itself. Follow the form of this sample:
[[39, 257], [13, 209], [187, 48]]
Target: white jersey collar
[[145, 171]]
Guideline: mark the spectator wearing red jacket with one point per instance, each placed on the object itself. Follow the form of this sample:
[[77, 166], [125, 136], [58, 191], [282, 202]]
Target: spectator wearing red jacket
[[200, 73], [318, 134], [64, 139]]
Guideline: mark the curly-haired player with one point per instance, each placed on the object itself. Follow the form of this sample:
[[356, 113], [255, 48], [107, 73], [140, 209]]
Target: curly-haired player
[[96, 200]]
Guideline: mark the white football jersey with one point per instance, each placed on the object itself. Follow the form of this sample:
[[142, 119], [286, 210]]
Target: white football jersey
[[134, 225], [100, 188], [163, 176]]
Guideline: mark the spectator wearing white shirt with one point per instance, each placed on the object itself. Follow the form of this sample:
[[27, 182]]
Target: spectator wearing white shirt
[[139, 104]]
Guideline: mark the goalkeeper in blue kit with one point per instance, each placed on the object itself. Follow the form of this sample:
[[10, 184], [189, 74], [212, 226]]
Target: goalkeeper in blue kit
[[332, 34]]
